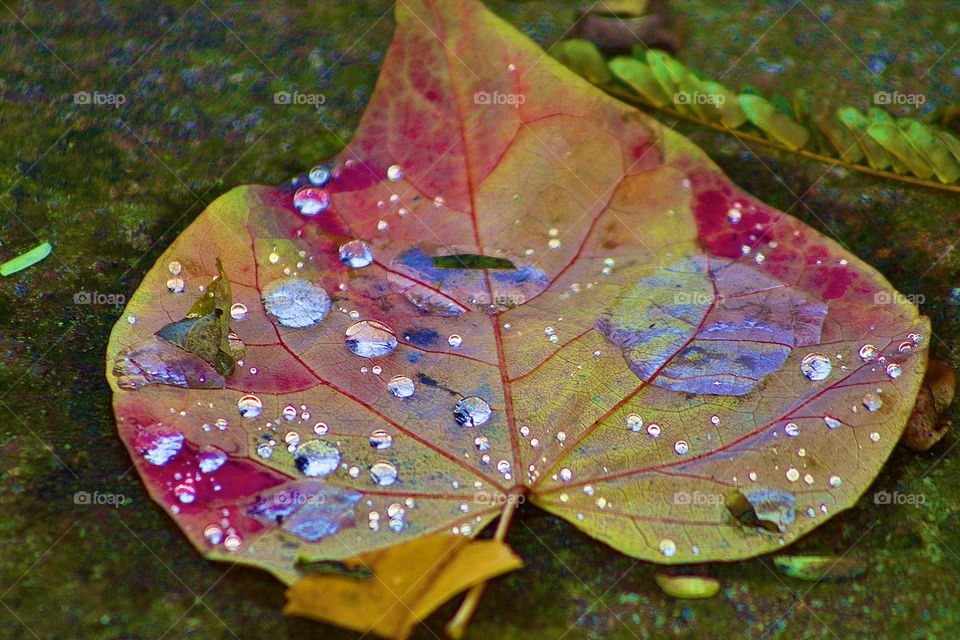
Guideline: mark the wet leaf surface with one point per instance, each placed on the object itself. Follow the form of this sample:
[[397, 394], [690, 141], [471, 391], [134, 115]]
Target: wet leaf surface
[[665, 340]]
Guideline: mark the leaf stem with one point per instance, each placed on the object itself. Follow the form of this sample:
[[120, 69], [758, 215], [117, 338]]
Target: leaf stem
[[457, 626], [637, 101]]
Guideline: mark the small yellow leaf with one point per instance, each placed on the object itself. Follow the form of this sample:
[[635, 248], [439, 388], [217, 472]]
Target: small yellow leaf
[[409, 582], [687, 587]]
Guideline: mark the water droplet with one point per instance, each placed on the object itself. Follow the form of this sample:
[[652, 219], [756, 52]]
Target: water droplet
[[715, 420], [213, 534], [835, 481], [159, 446], [371, 339], [185, 493], [668, 547], [503, 466], [356, 254], [872, 402], [232, 542], [264, 450], [471, 412], [401, 386], [482, 443], [792, 429], [394, 173], [317, 458], [238, 311], [653, 430], [296, 303], [905, 347], [894, 370], [250, 407], [454, 340], [681, 447], [175, 268], [319, 176], [380, 439], [816, 366], [176, 285], [289, 412], [915, 338], [565, 474], [383, 473], [831, 422], [868, 352], [321, 428], [734, 216], [274, 257], [310, 201], [634, 422], [210, 458], [792, 474]]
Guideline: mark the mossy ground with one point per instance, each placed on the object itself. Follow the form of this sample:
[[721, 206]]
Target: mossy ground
[[111, 187]]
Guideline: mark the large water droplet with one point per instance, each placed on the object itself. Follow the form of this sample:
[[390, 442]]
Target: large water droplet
[[792, 429], [295, 302], [668, 547], [310, 201], [213, 534], [872, 402], [401, 386], [356, 254], [894, 370], [634, 422], [159, 446], [816, 366], [238, 311], [185, 493], [471, 412], [317, 458], [380, 439], [383, 473], [868, 352], [681, 447], [319, 176], [210, 458], [394, 173], [371, 339], [250, 406]]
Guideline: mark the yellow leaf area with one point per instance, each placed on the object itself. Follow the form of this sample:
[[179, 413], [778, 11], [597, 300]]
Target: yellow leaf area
[[409, 582]]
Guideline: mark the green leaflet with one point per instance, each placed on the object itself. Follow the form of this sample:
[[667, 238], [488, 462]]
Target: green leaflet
[[28, 259], [872, 142]]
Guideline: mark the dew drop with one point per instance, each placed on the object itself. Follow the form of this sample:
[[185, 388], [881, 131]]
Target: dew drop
[[383, 473], [653, 430], [317, 458], [401, 386], [232, 542], [319, 176], [213, 534], [872, 402], [481, 443], [792, 430], [681, 447], [210, 458], [238, 311], [634, 422], [250, 407], [831, 422], [734, 216], [394, 173], [321, 428], [894, 370], [185, 493], [454, 340], [371, 339], [816, 366], [792, 474], [264, 450], [565, 474], [380, 439], [310, 201], [868, 352], [176, 285], [835, 481], [175, 268], [471, 412], [289, 412], [296, 303], [668, 547], [356, 254]]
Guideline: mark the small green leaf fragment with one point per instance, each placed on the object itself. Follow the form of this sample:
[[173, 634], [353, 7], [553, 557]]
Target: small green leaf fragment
[[844, 143], [932, 149], [28, 259], [857, 123], [817, 568], [773, 122], [687, 587], [471, 261], [638, 76], [584, 58]]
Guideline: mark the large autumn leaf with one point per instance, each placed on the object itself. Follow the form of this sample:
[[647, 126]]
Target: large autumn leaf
[[650, 343]]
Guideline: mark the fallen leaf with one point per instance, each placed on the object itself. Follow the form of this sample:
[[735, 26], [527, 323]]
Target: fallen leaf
[[664, 340], [820, 568], [408, 582]]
